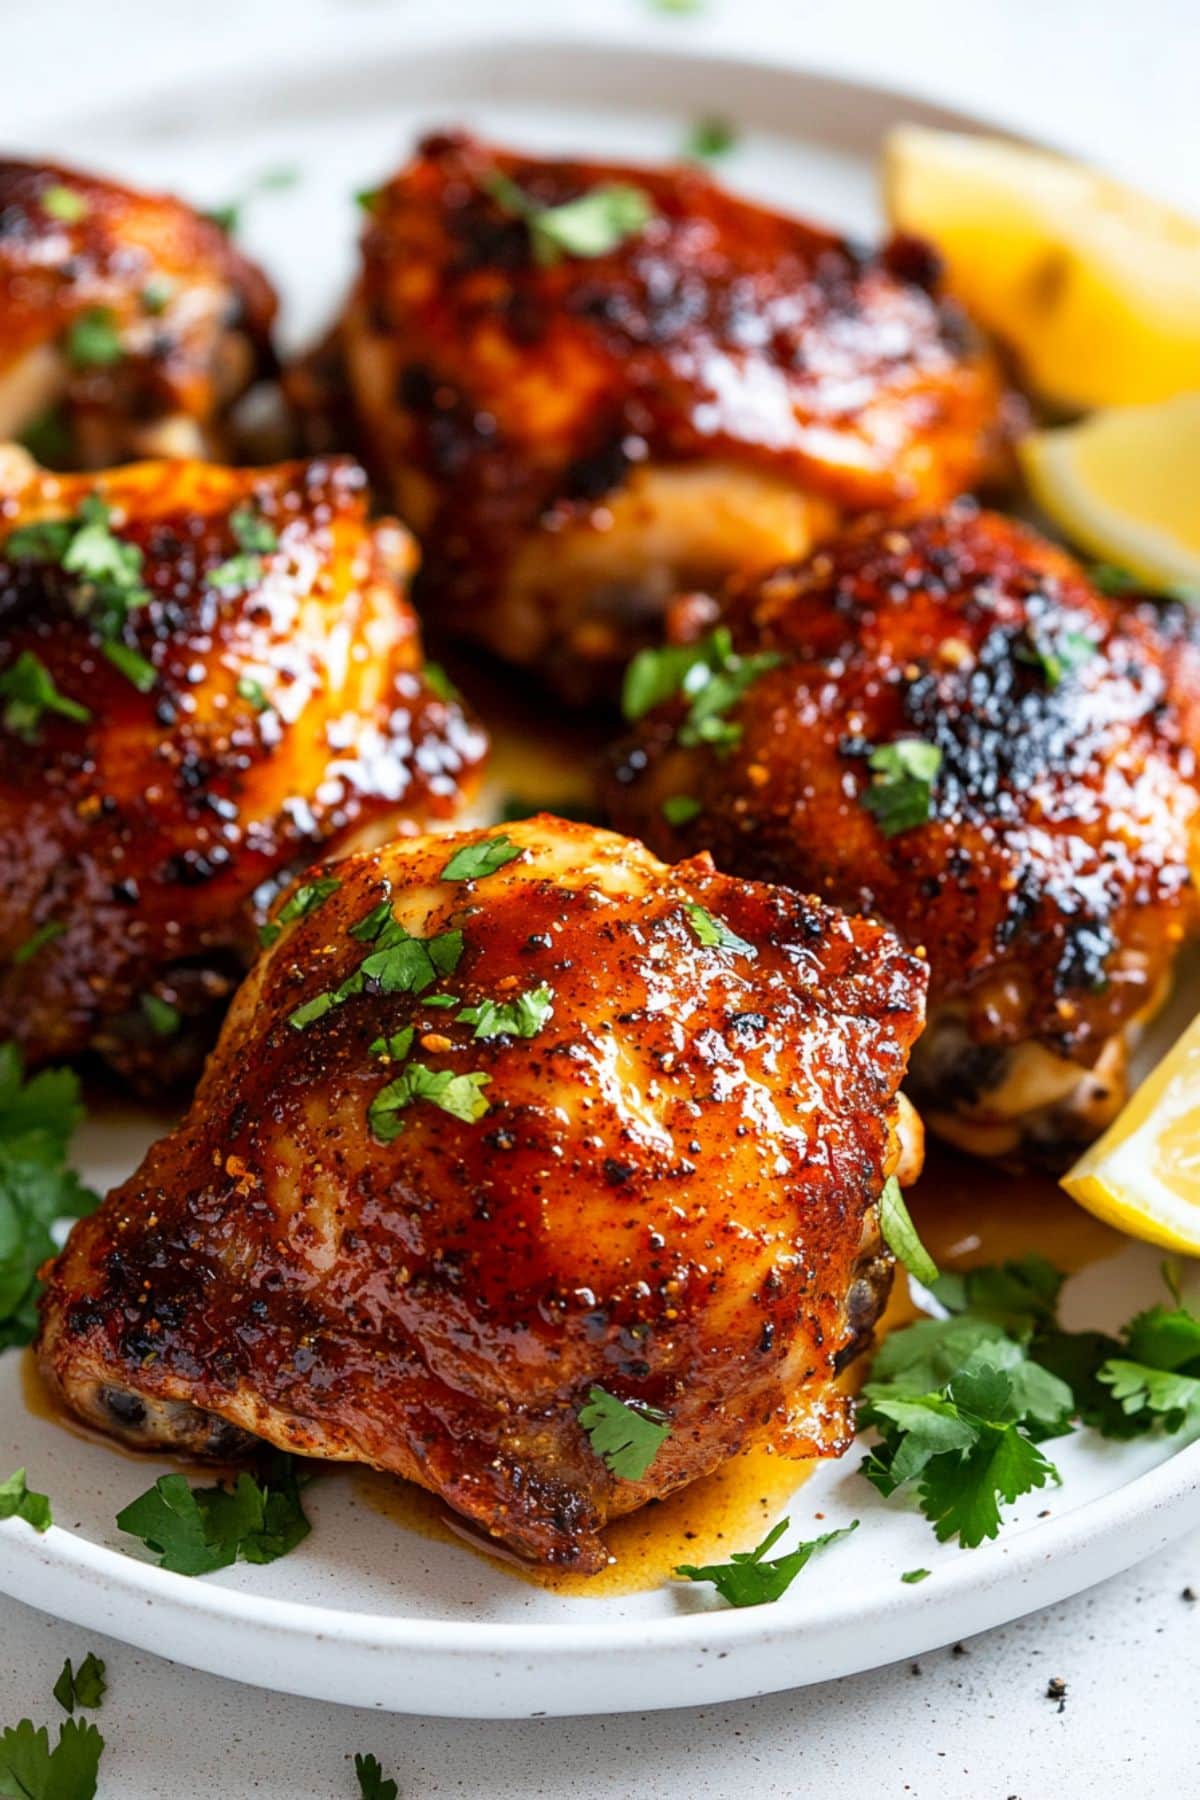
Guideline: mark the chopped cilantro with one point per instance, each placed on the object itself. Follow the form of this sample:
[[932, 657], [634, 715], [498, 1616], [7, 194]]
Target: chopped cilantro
[[522, 1017], [253, 693], [1056, 654], [398, 964], [131, 664], [680, 809], [371, 1782], [912, 1576], [747, 1580], [446, 1000], [474, 861], [37, 940], [28, 691], [163, 1019], [255, 539], [300, 902], [439, 683], [18, 1501], [30, 1769], [37, 1118], [900, 1234], [710, 674], [714, 933], [901, 794], [65, 204], [395, 1047], [625, 1434], [193, 1531], [93, 340], [84, 1686], [709, 138], [459, 1095], [593, 225]]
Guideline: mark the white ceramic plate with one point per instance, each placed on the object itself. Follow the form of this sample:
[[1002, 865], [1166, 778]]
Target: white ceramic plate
[[367, 1611]]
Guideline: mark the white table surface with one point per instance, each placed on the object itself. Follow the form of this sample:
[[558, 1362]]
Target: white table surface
[[1116, 81]]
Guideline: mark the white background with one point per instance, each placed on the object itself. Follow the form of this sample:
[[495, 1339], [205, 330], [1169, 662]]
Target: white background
[[1118, 82]]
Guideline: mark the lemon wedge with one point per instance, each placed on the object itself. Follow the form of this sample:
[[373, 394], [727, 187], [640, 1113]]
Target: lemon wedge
[[1093, 285], [1143, 1175], [1124, 485]]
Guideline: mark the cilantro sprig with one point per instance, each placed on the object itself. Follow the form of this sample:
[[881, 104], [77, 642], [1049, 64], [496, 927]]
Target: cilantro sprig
[[747, 1579], [193, 1531], [37, 1120], [710, 674], [626, 1435], [595, 224], [963, 1403]]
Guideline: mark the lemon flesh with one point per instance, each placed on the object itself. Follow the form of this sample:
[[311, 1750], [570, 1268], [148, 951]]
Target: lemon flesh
[[1092, 285], [1124, 485], [1143, 1175]]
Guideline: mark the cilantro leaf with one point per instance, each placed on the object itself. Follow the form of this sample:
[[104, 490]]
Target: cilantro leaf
[[459, 1095], [709, 138], [901, 794], [253, 693], [714, 934], [300, 902], [710, 674], [1020, 1294], [680, 809], [522, 1017], [593, 225], [747, 1580], [84, 1686], [960, 1496], [93, 340], [255, 539], [393, 1048], [1171, 1399], [17, 1501], [473, 861], [371, 1783], [163, 1019], [399, 963], [37, 940], [900, 1234], [193, 1531], [625, 1434], [1056, 654], [28, 690], [30, 1770], [912, 1576], [37, 1119], [65, 204]]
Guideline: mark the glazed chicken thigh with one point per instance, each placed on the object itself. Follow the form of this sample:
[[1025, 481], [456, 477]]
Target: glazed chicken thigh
[[946, 726], [502, 1128], [207, 677], [590, 385], [129, 324]]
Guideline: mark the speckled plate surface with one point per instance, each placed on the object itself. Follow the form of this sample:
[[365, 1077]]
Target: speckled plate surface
[[378, 1607]]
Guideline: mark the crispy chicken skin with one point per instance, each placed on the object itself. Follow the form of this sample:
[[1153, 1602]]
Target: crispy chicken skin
[[1050, 885], [128, 323], [573, 442], [278, 709], [669, 1189]]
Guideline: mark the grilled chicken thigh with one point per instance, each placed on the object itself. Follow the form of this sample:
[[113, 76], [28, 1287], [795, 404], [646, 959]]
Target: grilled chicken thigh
[[207, 677], [590, 385], [507, 1131], [946, 726], [128, 323]]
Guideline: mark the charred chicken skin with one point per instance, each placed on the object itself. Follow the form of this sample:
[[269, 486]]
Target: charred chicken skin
[[590, 385], [946, 726], [129, 324], [504, 1120], [207, 678]]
